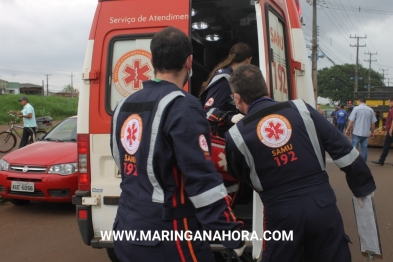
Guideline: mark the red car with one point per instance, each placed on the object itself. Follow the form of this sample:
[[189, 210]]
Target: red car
[[43, 171]]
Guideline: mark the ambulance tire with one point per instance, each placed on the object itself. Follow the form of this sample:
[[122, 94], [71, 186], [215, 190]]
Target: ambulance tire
[[111, 254]]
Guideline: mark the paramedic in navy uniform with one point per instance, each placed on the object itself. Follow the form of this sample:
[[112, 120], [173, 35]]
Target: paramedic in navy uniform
[[279, 150], [160, 142], [216, 93]]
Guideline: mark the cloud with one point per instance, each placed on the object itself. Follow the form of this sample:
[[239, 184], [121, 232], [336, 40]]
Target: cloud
[[44, 37]]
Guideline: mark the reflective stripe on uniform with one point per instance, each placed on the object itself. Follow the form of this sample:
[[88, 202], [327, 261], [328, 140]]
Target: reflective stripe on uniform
[[218, 77], [242, 147], [210, 196], [348, 159], [210, 112], [310, 127], [115, 148], [158, 193], [233, 188]]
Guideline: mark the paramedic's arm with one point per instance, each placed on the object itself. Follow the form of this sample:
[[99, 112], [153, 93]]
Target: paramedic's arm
[[187, 129], [236, 164], [344, 155], [220, 92]]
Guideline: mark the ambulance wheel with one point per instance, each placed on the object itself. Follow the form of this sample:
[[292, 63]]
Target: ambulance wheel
[[111, 254], [19, 202]]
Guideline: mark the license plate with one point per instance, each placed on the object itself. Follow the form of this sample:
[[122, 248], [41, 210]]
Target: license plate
[[22, 186]]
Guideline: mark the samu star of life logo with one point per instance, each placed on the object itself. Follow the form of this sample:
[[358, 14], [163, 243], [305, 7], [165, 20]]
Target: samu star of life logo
[[274, 130], [203, 143], [131, 70], [131, 133]]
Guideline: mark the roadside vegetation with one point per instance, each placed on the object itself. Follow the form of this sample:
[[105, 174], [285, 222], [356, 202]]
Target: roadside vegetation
[[56, 107]]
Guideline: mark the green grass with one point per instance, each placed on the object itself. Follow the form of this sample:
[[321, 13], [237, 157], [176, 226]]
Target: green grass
[[54, 106]]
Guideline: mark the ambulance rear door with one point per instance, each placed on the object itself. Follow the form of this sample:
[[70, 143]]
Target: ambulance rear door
[[121, 60]]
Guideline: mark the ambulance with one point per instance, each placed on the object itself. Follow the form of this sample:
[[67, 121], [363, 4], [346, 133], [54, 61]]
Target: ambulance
[[117, 62]]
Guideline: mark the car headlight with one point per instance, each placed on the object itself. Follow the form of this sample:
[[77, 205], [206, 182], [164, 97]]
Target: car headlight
[[64, 169], [3, 165]]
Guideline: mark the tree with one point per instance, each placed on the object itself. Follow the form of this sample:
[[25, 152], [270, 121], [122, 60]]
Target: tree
[[338, 82], [69, 89]]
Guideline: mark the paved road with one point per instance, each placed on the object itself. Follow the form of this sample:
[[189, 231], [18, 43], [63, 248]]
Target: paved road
[[48, 232]]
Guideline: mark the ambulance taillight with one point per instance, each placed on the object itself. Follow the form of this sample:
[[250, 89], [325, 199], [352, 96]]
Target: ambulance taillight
[[298, 7], [83, 162]]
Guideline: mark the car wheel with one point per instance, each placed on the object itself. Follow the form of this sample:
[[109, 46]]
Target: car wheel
[[111, 254], [19, 202]]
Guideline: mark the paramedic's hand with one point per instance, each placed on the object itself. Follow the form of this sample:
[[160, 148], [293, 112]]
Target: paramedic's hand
[[239, 251], [360, 200], [390, 132], [237, 118]]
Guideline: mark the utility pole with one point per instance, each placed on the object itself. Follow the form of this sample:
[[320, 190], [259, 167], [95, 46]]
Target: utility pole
[[47, 85], [314, 48], [388, 78], [43, 88], [383, 74], [369, 70], [357, 60], [72, 85]]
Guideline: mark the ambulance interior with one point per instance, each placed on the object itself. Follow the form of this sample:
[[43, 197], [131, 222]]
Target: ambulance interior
[[215, 27]]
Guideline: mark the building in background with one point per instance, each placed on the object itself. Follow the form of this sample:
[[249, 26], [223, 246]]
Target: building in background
[[13, 88], [3, 87], [31, 89]]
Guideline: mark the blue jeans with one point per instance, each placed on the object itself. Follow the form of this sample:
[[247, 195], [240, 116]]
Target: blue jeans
[[341, 127], [363, 140]]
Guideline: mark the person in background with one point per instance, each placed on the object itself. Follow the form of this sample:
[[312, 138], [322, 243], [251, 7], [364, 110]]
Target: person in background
[[321, 111], [215, 94], [278, 148], [29, 121], [349, 111], [363, 121], [342, 116], [389, 136], [333, 115]]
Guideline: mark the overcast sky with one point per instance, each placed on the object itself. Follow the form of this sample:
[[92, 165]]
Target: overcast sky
[[49, 37], [44, 37], [340, 19]]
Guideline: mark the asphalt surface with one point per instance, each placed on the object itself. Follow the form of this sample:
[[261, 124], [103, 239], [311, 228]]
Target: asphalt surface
[[48, 232]]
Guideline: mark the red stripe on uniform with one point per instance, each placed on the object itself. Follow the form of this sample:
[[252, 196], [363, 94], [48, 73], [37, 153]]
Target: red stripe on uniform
[[229, 208], [175, 227], [183, 259], [227, 216]]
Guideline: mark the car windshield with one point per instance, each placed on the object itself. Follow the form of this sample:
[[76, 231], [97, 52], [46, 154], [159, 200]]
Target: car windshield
[[65, 131]]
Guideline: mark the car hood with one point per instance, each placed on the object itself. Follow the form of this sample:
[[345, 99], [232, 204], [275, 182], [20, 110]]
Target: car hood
[[44, 153]]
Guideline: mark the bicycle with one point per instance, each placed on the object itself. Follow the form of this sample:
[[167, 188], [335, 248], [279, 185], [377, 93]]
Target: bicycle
[[8, 138]]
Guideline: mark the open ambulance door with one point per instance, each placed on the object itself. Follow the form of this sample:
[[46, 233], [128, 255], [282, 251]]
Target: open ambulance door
[[118, 60]]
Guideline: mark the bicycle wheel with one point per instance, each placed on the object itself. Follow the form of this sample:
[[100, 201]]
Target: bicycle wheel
[[7, 141], [38, 134]]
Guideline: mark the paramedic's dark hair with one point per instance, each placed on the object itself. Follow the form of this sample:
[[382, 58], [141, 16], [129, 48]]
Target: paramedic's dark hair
[[170, 49], [238, 53], [248, 82]]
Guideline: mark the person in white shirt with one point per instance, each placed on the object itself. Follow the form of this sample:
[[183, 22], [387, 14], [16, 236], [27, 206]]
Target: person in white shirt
[[29, 121]]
